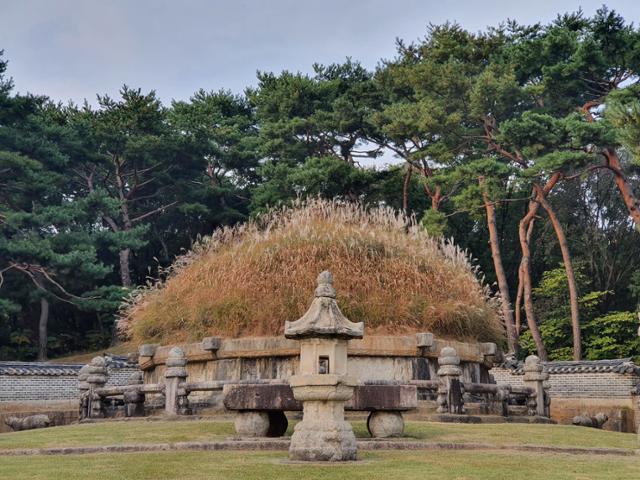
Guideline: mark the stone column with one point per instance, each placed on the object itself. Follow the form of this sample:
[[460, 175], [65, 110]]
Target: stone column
[[535, 378], [133, 397], [176, 402], [96, 378], [450, 390], [83, 390]]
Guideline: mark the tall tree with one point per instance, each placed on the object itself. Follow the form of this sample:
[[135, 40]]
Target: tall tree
[[46, 233], [217, 137], [126, 161]]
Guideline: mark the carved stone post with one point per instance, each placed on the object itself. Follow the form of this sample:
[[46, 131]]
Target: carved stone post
[[536, 379], [96, 378], [450, 390], [176, 402], [502, 397], [133, 397], [83, 390]]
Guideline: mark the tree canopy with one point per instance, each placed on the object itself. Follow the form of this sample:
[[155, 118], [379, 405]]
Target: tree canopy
[[519, 142]]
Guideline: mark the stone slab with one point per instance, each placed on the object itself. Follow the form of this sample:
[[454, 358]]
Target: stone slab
[[280, 397], [371, 345], [282, 444]]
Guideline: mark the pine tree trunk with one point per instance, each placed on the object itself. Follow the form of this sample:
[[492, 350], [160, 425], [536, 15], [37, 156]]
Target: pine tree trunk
[[518, 305], [42, 329], [436, 198], [125, 270], [503, 286], [571, 279], [524, 234], [517, 308], [526, 281], [405, 189], [629, 198]]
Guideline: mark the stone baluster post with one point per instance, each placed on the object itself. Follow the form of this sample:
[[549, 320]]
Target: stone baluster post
[[96, 378], [502, 397], [450, 390], [536, 379], [83, 389], [133, 397], [176, 401]]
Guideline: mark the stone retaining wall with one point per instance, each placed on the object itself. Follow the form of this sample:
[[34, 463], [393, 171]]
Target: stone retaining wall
[[399, 358]]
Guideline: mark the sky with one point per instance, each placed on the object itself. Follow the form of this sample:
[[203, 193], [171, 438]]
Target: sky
[[75, 49]]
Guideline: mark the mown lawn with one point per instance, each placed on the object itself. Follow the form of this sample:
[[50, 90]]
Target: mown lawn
[[387, 465], [118, 433], [115, 433]]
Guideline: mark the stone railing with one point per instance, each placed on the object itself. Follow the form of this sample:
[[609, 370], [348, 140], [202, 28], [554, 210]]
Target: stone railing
[[273, 396]]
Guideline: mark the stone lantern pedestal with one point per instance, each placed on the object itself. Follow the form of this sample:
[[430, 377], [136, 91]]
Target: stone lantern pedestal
[[323, 385], [323, 434]]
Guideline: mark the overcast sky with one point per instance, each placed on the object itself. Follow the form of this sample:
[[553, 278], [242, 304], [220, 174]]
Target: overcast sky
[[73, 49]]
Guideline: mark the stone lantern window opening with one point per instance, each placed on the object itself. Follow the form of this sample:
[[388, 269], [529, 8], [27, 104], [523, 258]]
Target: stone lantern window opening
[[323, 365]]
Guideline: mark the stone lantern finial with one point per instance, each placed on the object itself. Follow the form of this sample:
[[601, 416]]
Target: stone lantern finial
[[324, 318]]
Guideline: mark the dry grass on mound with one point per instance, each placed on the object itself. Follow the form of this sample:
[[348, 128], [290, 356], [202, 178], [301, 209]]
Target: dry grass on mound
[[247, 280]]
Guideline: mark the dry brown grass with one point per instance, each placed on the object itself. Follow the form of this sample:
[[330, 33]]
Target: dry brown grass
[[247, 280]]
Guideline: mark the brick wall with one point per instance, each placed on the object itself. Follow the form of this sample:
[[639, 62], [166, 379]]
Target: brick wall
[[38, 387], [15, 388], [592, 392], [578, 385], [118, 376]]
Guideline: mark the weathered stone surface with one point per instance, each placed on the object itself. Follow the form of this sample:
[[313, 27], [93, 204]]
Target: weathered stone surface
[[324, 318], [133, 398], [97, 372], [323, 441], [28, 423], [211, 343], [450, 394], [176, 400], [323, 434], [424, 341], [260, 397], [266, 397], [252, 424], [147, 349], [283, 444], [322, 383], [536, 379], [383, 397], [385, 424], [596, 421]]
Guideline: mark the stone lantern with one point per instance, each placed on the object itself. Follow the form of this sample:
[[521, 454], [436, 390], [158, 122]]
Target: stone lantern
[[322, 384]]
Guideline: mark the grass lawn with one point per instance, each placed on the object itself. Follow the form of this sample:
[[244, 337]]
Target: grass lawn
[[114, 433], [388, 465]]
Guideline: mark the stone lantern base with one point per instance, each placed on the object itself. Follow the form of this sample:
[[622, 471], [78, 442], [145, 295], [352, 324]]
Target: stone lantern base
[[323, 434]]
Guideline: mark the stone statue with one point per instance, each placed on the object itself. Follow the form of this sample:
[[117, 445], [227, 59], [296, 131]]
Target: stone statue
[[28, 423], [586, 420]]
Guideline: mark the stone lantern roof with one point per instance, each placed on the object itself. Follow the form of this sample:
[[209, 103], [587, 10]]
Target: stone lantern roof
[[324, 318]]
